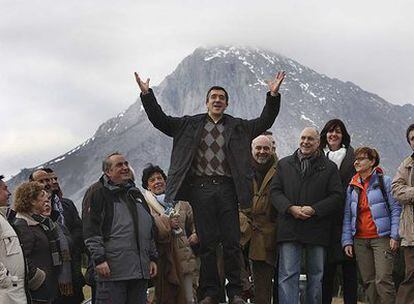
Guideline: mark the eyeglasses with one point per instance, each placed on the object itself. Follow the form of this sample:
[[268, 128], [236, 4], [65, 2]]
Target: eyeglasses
[[360, 159]]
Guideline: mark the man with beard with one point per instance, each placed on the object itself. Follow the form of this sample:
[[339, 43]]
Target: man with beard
[[73, 224], [210, 169], [263, 249], [306, 191]]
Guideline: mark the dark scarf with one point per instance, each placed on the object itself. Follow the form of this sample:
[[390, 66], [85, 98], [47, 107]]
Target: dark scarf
[[60, 252], [57, 206], [306, 162], [260, 170]]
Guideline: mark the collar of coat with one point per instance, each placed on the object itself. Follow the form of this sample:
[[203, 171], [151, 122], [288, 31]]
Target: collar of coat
[[409, 161], [356, 180], [317, 163], [106, 182], [3, 210], [28, 218], [153, 202], [267, 178]]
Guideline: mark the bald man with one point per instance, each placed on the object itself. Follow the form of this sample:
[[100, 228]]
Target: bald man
[[263, 250], [44, 177], [306, 192]]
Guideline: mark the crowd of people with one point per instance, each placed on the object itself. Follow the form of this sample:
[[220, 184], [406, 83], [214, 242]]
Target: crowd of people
[[230, 219]]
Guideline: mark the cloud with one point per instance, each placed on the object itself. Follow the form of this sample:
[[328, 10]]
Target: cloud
[[31, 146], [70, 65]]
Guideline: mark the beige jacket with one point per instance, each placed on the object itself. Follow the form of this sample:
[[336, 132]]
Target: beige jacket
[[403, 192], [12, 267], [181, 246]]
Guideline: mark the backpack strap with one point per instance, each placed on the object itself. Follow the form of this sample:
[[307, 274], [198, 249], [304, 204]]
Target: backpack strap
[[356, 189], [382, 187]]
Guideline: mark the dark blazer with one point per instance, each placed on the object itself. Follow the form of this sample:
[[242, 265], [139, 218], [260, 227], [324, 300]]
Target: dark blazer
[[186, 134], [346, 172], [321, 189], [37, 253]]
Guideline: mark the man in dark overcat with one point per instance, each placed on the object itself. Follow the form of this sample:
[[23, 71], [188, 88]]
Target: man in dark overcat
[[210, 168]]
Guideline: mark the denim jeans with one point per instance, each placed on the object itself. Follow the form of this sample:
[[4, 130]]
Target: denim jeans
[[290, 255]]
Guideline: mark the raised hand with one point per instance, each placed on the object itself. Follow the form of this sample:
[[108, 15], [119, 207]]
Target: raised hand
[[274, 84], [144, 86]]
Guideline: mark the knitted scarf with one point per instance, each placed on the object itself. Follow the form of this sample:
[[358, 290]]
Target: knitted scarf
[[306, 161], [59, 247]]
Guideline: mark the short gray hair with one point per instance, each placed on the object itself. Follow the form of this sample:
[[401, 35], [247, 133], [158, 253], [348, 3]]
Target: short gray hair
[[256, 139], [106, 163], [318, 135]]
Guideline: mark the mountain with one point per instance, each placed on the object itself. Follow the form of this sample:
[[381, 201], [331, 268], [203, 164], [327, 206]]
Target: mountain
[[308, 99]]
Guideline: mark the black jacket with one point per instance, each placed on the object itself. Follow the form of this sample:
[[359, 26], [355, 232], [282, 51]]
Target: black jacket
[[37, 253], [321, 189], [186, 134], [346, 172]]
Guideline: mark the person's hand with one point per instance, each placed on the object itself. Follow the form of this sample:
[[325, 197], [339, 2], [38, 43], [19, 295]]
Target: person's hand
[[308, 210], [297, 213], [274, 84], [66, 289], [174, 222], [103, 270], [152, 269], [144, 86], [394, 244], [349, 251], [193, 239]]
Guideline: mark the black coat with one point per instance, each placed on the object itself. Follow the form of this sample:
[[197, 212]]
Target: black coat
[[37, 253], [321, 189], [186, 134], [346, 172]]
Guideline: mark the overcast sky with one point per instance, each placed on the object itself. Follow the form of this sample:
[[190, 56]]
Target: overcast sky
[[66, 66]]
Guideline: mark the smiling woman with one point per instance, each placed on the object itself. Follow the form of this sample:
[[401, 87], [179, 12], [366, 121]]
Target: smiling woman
[[30, 201], [370, 225], [336, 145]]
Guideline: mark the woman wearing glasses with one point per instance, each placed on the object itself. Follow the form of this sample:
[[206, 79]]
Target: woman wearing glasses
[[370, 227]]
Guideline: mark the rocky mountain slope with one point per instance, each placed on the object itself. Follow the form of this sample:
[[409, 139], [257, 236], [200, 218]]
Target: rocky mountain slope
[[308, 99]]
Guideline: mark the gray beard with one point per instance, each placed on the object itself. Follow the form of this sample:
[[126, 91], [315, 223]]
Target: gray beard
[[262, 160]]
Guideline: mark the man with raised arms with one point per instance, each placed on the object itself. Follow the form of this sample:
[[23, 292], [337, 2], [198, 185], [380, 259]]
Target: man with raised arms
[[210, 168]]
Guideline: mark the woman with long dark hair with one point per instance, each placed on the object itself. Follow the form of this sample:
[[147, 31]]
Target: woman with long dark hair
[[335, 142]]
